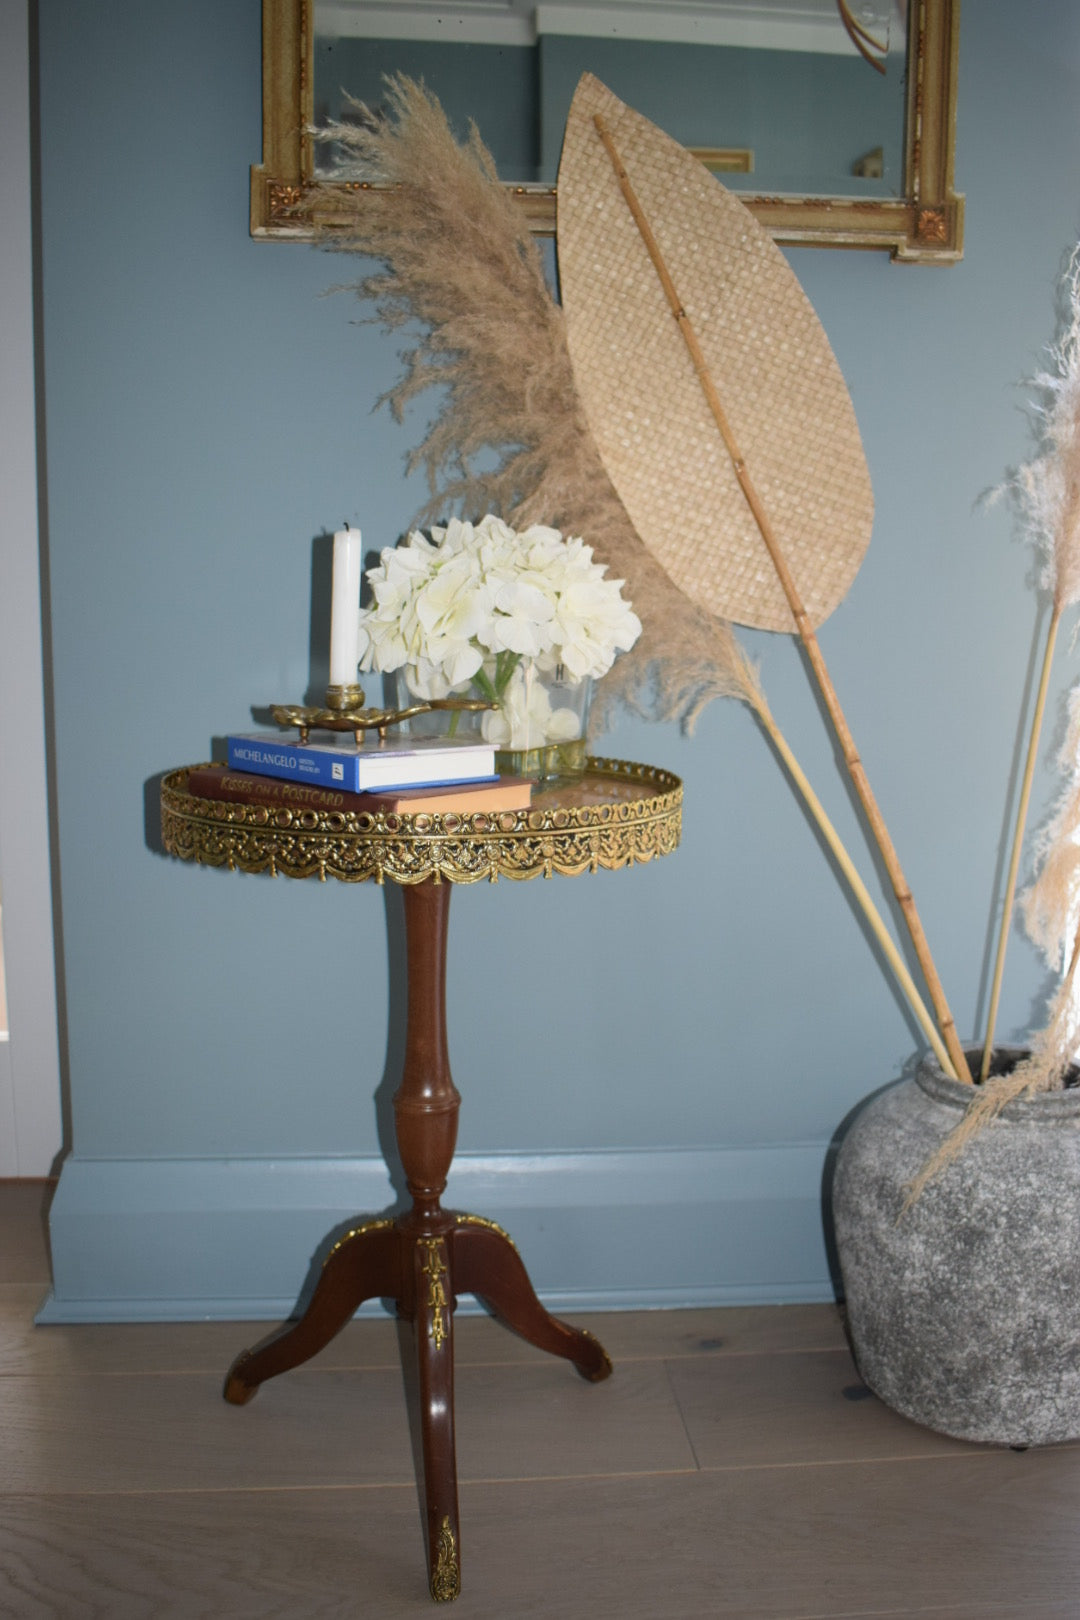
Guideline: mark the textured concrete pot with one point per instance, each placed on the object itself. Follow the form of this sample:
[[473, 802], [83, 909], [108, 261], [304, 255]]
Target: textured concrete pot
[[964, 1313]]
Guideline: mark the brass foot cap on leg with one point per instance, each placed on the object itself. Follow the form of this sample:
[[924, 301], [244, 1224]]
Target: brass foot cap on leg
[[237, 1391], [446, 1574], [599, 1364]]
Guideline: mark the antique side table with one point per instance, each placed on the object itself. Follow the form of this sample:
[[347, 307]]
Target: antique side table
[[613, 816]]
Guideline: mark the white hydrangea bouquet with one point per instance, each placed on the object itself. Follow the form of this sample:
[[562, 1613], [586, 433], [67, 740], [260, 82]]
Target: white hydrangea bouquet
[[524, 620]]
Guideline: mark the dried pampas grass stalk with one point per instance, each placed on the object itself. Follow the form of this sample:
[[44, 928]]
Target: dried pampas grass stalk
[[1051, 912], [990, 1098], [458, 259], [858, 888], [1044, 1069], [748, 690], [1051, 906], [1053, 1052], [1047, 491]]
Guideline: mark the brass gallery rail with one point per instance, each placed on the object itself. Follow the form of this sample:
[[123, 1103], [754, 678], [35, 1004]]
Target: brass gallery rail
[[616, 815]]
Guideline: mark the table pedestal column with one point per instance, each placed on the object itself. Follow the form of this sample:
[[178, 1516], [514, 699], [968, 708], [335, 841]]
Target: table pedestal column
[[428, 1256]]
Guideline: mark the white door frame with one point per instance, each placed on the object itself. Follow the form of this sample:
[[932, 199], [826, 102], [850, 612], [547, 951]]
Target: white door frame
[[30, 1113]]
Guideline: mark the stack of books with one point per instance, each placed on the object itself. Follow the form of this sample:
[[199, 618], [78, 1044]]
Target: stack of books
[[404, 775]]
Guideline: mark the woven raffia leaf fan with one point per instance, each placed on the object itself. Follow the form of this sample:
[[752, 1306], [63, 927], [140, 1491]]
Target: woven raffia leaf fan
[[718, 408], [764, 348]]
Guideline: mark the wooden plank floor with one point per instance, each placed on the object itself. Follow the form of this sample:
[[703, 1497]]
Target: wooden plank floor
[[734, 1466]]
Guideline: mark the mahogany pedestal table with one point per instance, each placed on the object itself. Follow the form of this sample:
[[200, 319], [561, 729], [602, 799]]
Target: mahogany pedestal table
[[613, 816]]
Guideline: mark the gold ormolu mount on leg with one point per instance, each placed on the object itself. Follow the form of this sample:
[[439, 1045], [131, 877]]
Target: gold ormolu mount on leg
[[446, 1575], [344, 712]]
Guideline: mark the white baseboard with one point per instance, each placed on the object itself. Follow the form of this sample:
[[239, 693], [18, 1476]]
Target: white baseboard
[[233, 1239]]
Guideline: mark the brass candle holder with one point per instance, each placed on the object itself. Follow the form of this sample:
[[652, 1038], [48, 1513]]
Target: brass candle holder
[[344, 711]]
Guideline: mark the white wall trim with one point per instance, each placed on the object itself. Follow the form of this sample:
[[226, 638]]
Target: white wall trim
[[189, 1239], [30, 1116], [809, 25]]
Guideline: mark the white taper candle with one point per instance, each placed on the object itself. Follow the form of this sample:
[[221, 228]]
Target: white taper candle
[[345, 608]]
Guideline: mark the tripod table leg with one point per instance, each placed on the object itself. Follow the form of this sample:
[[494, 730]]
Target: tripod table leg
[[433, 1327], [365, 1264], [487, 1264]]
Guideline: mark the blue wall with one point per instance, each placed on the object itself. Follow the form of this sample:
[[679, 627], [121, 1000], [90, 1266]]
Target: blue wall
[[208, 414]]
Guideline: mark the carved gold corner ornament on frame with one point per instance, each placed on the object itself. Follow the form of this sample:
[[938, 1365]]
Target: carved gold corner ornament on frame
[[922, 225]]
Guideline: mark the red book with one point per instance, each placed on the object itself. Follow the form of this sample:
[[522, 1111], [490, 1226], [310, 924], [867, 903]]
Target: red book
[[238, 787]]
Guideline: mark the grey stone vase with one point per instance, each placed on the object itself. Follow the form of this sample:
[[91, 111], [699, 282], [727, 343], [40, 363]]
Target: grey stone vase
[[964, 1312]]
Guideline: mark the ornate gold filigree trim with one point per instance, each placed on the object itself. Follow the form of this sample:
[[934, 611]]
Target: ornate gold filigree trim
[[488, 1226], [931, 225], [617, 815], [435, 1269], [379, 1225], [446, 1576]]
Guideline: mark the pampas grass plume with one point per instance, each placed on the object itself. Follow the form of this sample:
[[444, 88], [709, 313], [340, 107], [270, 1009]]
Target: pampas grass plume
[[1047, 491], [1051, 906], [461, 267], [1048, 487]]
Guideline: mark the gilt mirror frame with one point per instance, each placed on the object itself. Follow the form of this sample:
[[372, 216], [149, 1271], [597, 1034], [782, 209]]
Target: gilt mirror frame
[[925, 225]]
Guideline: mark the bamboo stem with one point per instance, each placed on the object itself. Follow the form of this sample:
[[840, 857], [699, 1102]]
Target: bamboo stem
[[857, 886], [1018, 839], [802, 623]]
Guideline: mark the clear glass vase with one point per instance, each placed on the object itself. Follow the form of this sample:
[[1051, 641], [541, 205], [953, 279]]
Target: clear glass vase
[[539, 722]]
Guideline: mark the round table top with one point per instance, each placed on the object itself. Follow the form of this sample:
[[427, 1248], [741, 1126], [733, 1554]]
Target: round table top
[[615, 815]]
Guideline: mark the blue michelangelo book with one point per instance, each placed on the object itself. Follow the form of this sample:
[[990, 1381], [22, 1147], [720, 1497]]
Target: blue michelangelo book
[[358, 768]]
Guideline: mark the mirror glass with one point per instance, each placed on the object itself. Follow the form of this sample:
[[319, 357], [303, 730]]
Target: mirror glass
[[775, 95]]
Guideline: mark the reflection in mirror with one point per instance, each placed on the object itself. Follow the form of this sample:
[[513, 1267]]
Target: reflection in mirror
[[778, 95]]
